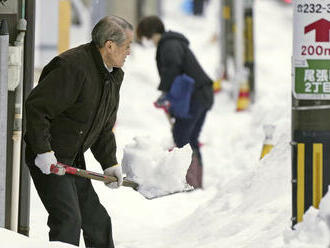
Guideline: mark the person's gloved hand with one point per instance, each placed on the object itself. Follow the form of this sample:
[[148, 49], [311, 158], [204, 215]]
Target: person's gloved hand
[[45, 160], [162, 102], [115, 171]]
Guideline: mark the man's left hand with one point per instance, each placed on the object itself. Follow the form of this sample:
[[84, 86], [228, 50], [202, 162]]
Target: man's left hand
[[115, 171], [162, 102]]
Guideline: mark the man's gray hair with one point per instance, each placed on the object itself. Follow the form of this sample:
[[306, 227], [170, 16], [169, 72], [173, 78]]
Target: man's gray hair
[[110, 28]]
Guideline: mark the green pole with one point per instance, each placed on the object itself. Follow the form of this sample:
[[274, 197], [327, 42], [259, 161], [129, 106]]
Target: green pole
[[310, 121]]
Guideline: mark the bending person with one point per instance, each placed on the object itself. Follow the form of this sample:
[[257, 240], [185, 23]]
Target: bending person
[[176, 62]]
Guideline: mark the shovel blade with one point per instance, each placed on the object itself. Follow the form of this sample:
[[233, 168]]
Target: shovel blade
[[154, 194]]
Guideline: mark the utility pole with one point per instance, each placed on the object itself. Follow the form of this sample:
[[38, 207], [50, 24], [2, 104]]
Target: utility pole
[[249, 45], [17, 127], [9, 11], [241, 86], [4, 46], [238, 35], [227, 37], [28, 75], [19, 83], [310, 105]]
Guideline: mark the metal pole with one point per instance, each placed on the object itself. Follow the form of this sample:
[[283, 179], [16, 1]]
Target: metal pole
[[4, 44], [230, 27], [240, 87], [228, 37], [17, 131], [140, 9], [239, 40], [310, 119], [224, 17], [249, 46], [24, 202], [159, 8]]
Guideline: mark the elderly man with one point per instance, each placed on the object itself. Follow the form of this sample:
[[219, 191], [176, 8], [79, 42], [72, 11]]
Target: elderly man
[[73, 108]]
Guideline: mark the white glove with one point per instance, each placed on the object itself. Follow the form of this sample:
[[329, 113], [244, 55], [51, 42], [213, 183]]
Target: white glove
[[115, 171], [44, 162]]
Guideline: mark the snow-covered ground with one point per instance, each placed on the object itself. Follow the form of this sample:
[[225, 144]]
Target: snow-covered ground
[[246, 202]]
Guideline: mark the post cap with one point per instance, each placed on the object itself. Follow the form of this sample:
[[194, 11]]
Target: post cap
[[21, 25]]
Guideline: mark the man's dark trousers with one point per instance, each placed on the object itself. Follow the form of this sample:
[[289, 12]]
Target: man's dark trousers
[[72, 205], [187, 130]]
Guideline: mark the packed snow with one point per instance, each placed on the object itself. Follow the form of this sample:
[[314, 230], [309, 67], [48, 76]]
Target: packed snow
[[154, 172], [246, 202]]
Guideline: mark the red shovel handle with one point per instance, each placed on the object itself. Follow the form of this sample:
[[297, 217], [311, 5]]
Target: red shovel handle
[[92, 175], [68, 169]]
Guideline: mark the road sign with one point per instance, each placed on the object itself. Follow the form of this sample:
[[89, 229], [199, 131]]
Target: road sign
[[311, 50]]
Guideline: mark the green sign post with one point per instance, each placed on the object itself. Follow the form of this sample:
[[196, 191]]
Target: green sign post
[[310, 105]]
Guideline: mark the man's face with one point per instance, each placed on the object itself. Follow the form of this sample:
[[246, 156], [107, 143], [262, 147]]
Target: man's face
[[116, 54]]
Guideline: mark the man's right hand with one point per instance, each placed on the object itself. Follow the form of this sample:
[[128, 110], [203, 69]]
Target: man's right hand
[[45, 160]]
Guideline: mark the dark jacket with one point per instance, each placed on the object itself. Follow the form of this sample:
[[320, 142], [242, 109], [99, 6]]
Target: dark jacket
[[73, 108], [174, 57]]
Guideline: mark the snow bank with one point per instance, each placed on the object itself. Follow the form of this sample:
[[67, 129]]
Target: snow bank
[[157, 170], [314, 230], [15, 240]]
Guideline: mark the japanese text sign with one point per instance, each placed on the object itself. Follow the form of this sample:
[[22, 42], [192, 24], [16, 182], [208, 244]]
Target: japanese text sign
[[311, 49]]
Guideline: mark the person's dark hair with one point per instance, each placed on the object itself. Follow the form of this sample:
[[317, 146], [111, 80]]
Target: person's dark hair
[[148, 26], [110, 28]]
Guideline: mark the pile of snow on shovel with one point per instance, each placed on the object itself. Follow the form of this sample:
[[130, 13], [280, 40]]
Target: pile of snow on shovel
[[157, 170]]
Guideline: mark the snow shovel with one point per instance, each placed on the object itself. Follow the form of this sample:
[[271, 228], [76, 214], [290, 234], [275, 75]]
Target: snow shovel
[[109, 179], [92, 175]]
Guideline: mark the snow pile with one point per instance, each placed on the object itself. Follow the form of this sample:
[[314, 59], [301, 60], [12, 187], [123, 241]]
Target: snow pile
[[245, 202], [15, 240], [151, 165], [314, 230]]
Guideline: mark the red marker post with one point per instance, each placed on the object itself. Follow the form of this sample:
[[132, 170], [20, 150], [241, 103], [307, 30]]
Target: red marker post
[[310, 105]]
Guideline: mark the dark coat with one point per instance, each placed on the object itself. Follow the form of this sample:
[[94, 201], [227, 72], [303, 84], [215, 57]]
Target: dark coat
[[174, 57], [73, 108]]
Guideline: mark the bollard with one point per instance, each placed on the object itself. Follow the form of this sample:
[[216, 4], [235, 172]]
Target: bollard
[[217, 86], [268, 142], [243, 99]]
